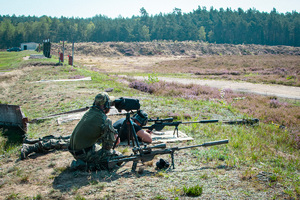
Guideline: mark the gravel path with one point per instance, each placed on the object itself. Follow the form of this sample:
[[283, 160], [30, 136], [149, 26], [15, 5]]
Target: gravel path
[[263, 89]]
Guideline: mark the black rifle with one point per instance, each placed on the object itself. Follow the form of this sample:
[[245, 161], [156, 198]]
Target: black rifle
[[55, 115], [159, 124], [145, 154]]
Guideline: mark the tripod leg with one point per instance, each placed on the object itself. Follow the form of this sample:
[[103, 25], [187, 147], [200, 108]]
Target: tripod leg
[[131, 134], [134, 136], [128, 133]]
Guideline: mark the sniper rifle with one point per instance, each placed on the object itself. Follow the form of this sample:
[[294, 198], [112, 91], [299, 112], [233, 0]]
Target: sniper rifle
[[145, 154], [159, 124]]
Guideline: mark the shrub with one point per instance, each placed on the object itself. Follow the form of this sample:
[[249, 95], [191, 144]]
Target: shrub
[[142, 86], [274, 103], [194, 191], [190, 91]]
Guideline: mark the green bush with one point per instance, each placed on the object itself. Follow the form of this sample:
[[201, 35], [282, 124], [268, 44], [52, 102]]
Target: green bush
[[194, 191]]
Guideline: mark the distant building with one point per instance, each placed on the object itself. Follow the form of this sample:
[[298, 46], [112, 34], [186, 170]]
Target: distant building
[[29, 46]]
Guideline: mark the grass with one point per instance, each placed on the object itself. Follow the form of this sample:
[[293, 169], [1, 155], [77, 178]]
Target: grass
[[266, 147], [249, 145], [12, 196], [275, 137], [11, 60]]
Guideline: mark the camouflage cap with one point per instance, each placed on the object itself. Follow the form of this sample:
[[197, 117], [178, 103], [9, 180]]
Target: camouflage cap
[[103, 98]]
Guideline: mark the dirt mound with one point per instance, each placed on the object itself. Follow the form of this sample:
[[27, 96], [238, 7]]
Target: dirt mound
[[167, 48]]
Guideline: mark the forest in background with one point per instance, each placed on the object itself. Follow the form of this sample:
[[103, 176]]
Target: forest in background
[[213, 26]]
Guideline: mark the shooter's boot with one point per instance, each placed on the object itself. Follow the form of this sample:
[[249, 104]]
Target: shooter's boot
[[78, 165], [28, 149]]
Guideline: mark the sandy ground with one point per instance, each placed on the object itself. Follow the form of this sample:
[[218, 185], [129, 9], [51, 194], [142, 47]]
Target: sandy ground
[[263, 89]]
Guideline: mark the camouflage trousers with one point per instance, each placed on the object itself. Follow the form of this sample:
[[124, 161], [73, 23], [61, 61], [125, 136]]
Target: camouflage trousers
[[96, 157], [93, 159], [43, 146], [54, 144]]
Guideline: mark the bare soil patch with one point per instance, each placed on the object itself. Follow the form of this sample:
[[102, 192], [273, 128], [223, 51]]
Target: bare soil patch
[[123, 64]]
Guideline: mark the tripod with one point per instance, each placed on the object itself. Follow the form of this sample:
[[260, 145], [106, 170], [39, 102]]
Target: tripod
[[131, 134]]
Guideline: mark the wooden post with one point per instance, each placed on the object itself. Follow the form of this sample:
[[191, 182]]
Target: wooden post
[[72, 53]]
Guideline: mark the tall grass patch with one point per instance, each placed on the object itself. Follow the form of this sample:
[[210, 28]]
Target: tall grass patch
[[193, 191]]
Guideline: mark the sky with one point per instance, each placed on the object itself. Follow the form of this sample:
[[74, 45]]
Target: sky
[[128, 8]]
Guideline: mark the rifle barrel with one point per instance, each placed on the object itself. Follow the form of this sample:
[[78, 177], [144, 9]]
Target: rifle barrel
[[58, 114], [207, 144], [203, 121]]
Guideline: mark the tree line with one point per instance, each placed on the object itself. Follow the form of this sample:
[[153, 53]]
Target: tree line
[[213, 26]]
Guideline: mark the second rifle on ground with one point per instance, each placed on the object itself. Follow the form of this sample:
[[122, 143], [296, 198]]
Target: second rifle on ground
[[145, 154]]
